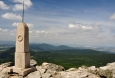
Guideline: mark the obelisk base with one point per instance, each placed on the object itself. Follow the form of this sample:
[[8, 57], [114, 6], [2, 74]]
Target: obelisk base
[[22, 60], [20, 71]]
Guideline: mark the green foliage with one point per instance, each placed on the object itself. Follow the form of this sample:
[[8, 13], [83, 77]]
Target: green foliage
[[6, 56], [67, 58], [76, 60]]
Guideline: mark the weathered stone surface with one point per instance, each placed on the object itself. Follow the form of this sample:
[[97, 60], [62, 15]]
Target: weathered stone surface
[[53, 67], [40, 69], [93, 70], [46, 71], [33, 62], [3, 70], [16, 77], [46, 75], [22, 60], [78, 74], [72, 69], [51, 72], [35, 74], [3, 73], [57, 76], [106, 73], [4, 65]]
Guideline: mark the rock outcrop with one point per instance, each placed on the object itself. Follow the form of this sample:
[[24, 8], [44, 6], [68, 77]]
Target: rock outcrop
[[49, 70]]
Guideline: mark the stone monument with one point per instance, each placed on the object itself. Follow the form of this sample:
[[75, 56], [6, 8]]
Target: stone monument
[[22, 54]]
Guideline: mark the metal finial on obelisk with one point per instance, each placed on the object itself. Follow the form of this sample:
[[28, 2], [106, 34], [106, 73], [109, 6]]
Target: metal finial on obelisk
[[23, 13]]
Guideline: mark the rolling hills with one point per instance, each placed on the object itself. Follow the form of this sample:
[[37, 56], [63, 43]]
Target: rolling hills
[[48, 47], [62, 55]]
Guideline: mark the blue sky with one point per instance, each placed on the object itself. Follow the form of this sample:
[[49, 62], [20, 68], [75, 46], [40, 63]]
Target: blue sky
[[69, 22]]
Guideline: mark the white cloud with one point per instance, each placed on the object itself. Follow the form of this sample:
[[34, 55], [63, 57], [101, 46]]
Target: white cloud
[[3, 30], [37, 31], [18, 7], [15, 24], [72, 26], [28, 24], [11, 16], [79, 26], [41, 32], [3, 6], [112, 17], [30, 32], [85, 27]]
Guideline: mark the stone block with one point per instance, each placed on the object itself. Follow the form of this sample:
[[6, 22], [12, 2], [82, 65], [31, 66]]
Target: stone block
[[20, 71], [22, 60]]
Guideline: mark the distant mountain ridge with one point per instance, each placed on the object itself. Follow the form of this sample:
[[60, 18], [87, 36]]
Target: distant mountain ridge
[[47, 47]]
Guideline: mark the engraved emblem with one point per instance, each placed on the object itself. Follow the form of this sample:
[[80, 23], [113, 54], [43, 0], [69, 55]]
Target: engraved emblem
[[20, 38]]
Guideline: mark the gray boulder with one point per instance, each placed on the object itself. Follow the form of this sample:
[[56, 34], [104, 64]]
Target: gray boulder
[[46, 75], [52, 67], [49, 70], [41, 69], [33, 62], [3, 69], [35, 74], [107, 71], [4, 65], [77, 74]]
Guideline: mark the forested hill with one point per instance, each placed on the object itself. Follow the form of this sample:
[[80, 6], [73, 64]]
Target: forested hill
[[67, 58], [47, 47]]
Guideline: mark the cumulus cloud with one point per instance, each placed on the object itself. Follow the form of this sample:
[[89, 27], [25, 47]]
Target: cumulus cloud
[[38, 33], [28, 24], [112, 17], [79, 26], [30, 32], [18, 6], [11, 16], [15, 24], [84, 27], [3, 6], [3, 30], [41, 32]]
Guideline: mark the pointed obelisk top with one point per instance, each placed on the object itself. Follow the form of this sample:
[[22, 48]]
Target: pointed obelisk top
[[23, 13]]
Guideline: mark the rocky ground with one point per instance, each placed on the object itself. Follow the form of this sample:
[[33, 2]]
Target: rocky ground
[[49, 70]]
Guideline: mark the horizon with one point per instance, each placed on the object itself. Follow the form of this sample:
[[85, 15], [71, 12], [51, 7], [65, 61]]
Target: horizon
[[72, 23], [58, 44]]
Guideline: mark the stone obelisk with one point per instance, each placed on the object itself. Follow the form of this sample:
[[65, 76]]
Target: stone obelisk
[[22, 54]]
